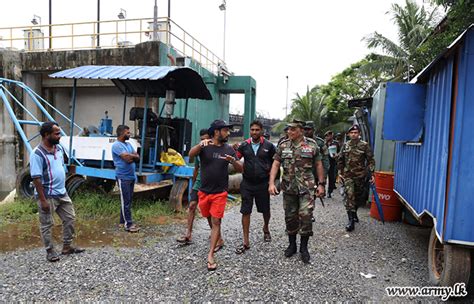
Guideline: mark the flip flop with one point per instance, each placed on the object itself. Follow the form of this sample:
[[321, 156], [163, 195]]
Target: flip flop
[[52, 256], [184, 240], [72, 250], [266, 236], [211, 266], [241, 249], [218, 247]]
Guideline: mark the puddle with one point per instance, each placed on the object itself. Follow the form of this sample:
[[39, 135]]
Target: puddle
[[93, 233]]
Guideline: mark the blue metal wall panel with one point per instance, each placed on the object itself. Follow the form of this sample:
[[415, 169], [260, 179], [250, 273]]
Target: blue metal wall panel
[[404, 103], [460, 214], [421, 171]]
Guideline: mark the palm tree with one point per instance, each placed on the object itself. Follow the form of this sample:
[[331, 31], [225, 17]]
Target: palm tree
[[414, 24], [310, 107]]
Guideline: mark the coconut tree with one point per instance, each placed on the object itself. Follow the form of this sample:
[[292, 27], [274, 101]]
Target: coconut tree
[[414, 24]]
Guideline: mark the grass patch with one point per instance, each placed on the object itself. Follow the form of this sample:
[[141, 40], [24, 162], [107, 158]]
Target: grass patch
[[18, 211], [88, 206]]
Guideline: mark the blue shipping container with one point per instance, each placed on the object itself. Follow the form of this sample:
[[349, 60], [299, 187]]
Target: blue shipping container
[[432, 120]]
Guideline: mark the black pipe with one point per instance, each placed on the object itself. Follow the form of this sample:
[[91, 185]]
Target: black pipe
[[98, 23]]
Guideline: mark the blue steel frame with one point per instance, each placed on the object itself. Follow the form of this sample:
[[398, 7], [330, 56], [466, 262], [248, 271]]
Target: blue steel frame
[[149, 171]]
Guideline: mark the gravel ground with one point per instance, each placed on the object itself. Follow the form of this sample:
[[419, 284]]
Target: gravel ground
[[160, 270]]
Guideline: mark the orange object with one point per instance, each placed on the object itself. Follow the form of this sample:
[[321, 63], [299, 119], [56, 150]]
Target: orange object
[[384, 180], [392, 209], [212, 204]]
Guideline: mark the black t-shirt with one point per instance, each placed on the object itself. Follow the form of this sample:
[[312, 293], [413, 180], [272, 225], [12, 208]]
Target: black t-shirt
[[214, 173]]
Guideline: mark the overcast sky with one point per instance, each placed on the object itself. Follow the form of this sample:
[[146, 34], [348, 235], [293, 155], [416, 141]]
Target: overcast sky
[[308, 40]]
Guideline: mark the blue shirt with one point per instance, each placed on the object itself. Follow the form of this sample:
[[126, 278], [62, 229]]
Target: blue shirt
[[49, 166], [255, 147], [123, 170]]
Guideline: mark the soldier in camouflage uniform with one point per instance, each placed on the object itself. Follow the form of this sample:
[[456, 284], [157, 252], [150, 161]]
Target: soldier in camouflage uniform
[[298, 155], [309, 133], [355, 163]]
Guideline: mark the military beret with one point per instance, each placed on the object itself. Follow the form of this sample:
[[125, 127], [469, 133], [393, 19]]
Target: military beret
[[296, 123], [309, 125], [354, 128]]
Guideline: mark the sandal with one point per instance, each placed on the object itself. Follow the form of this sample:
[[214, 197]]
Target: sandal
[[72, 250], [132, 229], [184, 240], [218, 247], [211, 266], [242, 248], [266, 236], [52, 256]]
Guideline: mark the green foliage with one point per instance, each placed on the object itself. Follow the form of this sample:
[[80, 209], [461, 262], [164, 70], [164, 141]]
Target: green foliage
[[22, 209], [459, 17], [414, 24], [88, 206]]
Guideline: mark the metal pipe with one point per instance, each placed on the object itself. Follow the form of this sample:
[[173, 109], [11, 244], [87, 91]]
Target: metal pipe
[[124, 107], [33, 94], [155, 21], [156, 147], [286, 107], [50, 27], [15, 121], [143, 135], [73, 111], [19, 103], [98, 23]]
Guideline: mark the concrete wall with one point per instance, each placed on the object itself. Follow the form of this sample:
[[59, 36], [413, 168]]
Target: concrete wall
[[91, 105], [94, 97], [9, 68]]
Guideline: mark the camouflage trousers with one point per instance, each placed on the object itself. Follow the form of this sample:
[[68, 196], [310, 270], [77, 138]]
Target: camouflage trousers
[[356, 193], [298, 213]]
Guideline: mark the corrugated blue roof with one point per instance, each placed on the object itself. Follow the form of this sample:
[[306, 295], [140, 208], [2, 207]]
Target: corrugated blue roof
[[135, 80]]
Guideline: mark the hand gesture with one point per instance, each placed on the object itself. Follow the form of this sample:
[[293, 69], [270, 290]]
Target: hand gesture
[[228, 158], [372, 180], [206, 142]]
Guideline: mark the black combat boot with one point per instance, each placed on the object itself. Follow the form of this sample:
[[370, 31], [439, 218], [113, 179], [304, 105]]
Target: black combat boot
[[350, 224], [304, 249], [356, 219], [292, 247]]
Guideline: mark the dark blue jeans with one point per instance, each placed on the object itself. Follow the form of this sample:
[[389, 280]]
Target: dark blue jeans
[[126, 196]]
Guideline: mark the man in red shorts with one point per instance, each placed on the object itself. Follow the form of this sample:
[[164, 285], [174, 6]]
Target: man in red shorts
[[215, 155]]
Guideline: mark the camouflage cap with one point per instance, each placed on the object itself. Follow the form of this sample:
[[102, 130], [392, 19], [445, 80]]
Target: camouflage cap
[[296, 123], [354, 128], [309, 125], [328, 132]]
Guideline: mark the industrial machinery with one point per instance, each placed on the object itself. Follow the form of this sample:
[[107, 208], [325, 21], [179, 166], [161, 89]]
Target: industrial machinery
[[89, 153]]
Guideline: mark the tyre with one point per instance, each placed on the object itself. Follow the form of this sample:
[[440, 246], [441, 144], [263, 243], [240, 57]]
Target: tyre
[[448, 264], [73, 183], [24, 184], [179, 195], [102, 185]]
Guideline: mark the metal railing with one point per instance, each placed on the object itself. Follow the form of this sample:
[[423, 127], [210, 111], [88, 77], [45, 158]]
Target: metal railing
[[113, 34]]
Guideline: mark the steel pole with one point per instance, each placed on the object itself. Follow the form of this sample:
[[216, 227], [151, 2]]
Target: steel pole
[[286, 107], [50, 27], [225, 21], [98, 23], [71, 126], [155, 21]]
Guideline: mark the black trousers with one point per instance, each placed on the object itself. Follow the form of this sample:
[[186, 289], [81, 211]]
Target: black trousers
[[332, 174]]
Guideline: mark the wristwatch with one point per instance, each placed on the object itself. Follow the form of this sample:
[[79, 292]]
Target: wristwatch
[[322, 184]]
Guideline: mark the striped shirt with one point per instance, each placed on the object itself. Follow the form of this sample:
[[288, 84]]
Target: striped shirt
[[49, 166]]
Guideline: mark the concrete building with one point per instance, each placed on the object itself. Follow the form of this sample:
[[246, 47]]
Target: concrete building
[[94, 98]]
